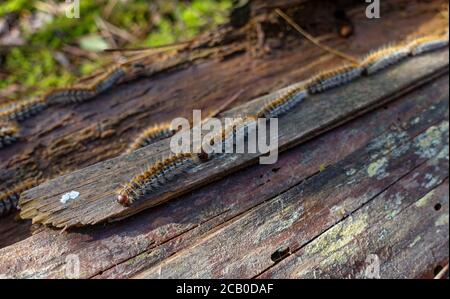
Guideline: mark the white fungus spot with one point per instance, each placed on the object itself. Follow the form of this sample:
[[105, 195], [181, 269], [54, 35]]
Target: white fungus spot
[[69, 196]]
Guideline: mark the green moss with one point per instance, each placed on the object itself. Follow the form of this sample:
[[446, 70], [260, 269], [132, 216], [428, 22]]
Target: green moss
[[154, 23], [15, 6]]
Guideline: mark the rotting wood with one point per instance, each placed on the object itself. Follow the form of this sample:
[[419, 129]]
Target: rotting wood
[[69, 138], [376, 241], [170, 226], [395, 175], [90, 136], [159, 233], [97, 184]]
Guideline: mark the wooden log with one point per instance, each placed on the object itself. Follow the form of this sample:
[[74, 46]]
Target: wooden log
[[356, 202], [69, 138], [397, 242], [97, 185], [64, 139], [157, 234]]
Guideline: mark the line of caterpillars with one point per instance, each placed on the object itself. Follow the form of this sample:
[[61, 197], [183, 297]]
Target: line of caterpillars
[[164, 130], [18, 111], [10, 198], [156, 175]]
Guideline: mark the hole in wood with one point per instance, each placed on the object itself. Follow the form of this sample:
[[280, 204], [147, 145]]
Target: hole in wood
[[280, 254], [276, 169], [438, 206], [437, 270]]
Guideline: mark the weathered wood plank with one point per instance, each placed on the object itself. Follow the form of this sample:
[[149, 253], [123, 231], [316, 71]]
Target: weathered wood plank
[[262, 182], [318, 113], [399, 235], [158, 233], [390, 171], [68, 138]]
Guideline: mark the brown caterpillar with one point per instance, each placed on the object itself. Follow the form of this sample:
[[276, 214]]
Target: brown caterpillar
[[228, 133], [382, 58], [283, 103], [164, 130], [10, 198], [8, 133], [427, 44], [22, 110], [155, 176], [333, 78], [151, 135], [81, 93]]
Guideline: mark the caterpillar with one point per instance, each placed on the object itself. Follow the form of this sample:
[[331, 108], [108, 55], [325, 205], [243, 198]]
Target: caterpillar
[[382, 58], [229, 132], [8, 133], [155, 176], [22, 110], [333, 78], [164, 130], [283, 103], [81, 93], [151, 135], [427, 44], [10, 198]]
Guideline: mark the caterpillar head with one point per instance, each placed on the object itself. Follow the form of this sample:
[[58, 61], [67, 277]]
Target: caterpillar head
[[123, 199]]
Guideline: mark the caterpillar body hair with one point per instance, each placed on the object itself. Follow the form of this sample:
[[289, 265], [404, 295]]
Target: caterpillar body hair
[[283, 103], [383, 58], [10, 198], [228, 133], [81, 93], [153, 178], [8, 133], [70, 95], [427, 44], [109, 79], [151, 135], [333, 78], [164, 130], [22, 110]]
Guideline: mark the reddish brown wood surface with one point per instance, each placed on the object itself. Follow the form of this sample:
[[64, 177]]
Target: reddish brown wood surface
[[64, 139], [155, 235], [97, 184], [171, 236]]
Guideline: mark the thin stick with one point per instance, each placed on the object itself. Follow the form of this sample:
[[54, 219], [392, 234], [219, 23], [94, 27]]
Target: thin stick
[[154, 48], [314, 40], [441, 274], [225, 105]]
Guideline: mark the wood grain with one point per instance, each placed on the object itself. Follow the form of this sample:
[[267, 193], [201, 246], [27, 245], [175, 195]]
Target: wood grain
[[156, 234], [97, 184], [64, 139]]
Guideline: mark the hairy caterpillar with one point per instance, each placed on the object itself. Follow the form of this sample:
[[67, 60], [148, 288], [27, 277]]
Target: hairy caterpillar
[[8, 133], [151, 135], [227, 135], [283, 103], [23, 109], [80, 93], [427, 44], [10, 198], [153, 178], [164, 130], [333, 78], [382, 58]]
